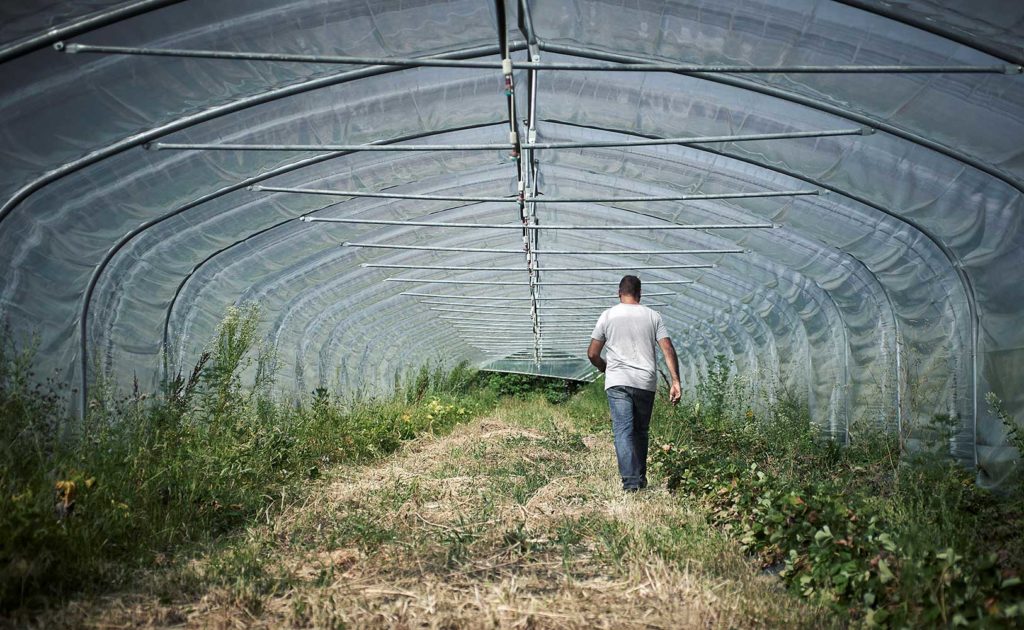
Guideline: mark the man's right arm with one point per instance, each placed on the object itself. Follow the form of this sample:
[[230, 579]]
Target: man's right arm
[[672, 361], [594, 354]]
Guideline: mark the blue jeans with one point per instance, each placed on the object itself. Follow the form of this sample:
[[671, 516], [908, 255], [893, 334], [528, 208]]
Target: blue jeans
[[631, 421]]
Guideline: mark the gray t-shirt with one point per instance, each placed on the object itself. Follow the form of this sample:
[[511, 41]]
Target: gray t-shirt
[[630, 333]]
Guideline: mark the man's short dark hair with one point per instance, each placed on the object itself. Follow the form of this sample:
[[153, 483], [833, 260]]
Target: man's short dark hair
[[630, 285]]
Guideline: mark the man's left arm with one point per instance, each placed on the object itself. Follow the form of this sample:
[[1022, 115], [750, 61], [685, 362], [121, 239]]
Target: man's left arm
[[672, 361]]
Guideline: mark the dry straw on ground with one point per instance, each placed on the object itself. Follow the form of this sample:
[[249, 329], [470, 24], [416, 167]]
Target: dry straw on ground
[[495, 525]]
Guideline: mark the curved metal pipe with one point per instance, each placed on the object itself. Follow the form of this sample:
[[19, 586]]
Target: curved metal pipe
[[127, 238], [91, 22], [185, 122], [880, 9]]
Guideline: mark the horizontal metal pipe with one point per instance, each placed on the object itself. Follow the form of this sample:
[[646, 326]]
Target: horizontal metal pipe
[[506, 320], [430, 248], [442, 267], [549, 252], [525, 325], [520, 226], [549, 284], [517, 348], [498, 333], [529, 342], [545, 349], [200, 146], [573, 344], [521, 269], [527, 354], [498, 339], [559, 317], [495, 336], [693, 197], [581, 144], [575, 334], [688, 140], [540, 308], [640, 252], [503, 298], [509, 351], [381, 195], [541, 199], [517, 355], [412, 62], [569, 320], [523, 330]]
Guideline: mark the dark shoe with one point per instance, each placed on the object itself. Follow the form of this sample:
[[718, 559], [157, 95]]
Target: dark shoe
[[631, 490]]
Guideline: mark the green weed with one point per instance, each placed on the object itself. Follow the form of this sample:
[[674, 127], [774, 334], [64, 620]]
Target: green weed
[[883, 538], [83, 505]]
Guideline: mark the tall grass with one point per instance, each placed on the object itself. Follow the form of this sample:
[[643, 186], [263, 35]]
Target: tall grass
[[883, 536], [82, 505]]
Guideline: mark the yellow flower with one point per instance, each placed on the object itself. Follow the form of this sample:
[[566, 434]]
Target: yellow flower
[[65, 488]]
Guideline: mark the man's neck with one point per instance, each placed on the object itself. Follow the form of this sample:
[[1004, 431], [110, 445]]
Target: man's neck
[[628, 299]]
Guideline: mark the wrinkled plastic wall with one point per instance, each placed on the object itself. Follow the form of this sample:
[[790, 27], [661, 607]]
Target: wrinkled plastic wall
[[891, 299]]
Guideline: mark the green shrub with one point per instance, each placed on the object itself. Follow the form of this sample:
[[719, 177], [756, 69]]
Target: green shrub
[[84, 504], [554, 390], [887, 540]]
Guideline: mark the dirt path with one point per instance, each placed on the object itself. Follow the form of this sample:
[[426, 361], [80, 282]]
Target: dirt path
[[500, 524]]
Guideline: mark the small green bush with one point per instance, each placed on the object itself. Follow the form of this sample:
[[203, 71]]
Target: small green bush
[[554, 390], [887, 540]]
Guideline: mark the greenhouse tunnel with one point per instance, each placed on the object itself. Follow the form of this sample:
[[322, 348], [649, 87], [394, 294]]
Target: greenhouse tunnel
[[827, 193]]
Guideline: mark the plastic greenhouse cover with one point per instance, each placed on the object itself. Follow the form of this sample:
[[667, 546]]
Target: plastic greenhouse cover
[[892, 297]]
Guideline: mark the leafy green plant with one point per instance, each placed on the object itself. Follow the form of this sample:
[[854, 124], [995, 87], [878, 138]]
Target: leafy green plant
[[889, 544], [82, 505], [554, 390]]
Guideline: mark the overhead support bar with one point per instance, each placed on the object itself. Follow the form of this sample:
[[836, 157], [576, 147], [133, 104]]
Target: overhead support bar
[[495, 332], [520, 226], [529, 353], [596, 307], [522, 327], [593, 144], [477, 321], [550, 284], [502, 298], [649, 142], [513, 321], [567, 252], [412, 62], [642, 252], [381, 195], [693, 197], [518, 355], [520, 269], [565, 340], [524, 342], [523, 345], [351, 148], [538, 199], [517, 348]]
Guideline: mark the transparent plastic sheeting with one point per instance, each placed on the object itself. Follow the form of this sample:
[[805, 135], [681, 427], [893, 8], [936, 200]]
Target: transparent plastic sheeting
[[891, 299]]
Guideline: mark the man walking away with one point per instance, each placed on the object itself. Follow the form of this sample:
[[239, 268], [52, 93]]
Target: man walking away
[[630, 332]]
